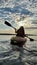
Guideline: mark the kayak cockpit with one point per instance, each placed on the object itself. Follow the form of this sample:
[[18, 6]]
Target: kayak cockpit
[[19, 41]]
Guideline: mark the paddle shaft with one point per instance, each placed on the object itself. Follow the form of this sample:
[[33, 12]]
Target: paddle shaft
[[7, 23]]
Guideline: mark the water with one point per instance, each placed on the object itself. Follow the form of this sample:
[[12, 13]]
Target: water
[[26, 56]]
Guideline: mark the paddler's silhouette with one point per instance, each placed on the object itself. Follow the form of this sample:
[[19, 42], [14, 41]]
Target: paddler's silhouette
[[20, 37], [20, 32]]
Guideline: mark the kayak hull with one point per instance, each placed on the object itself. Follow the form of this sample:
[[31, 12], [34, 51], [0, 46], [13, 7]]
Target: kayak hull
[[18, 41]]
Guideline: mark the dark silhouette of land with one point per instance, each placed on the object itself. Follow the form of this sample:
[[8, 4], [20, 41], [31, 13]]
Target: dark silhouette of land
[[15, 34], [6, 34]]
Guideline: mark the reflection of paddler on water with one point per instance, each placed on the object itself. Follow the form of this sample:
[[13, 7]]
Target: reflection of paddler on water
[[20, 38]]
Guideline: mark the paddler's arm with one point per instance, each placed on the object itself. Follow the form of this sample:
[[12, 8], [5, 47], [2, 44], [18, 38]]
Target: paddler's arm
[[26, 35]]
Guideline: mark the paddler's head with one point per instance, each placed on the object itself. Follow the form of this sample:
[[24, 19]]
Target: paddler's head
[[21, 28]]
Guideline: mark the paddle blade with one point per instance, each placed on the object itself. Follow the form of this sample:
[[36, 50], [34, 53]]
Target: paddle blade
[[31, 39], [8, 23]]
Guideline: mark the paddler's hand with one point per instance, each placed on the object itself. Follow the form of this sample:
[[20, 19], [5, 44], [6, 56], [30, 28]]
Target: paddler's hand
[[26, 35]]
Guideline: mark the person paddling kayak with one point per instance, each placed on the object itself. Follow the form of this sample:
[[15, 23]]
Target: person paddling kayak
[[20, 32], [20, 38], [19, 41]]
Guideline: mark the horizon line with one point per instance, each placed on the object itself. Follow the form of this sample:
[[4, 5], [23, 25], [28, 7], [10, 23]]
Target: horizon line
[[15, 34]]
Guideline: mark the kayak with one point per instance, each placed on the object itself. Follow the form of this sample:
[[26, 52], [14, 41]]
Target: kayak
[[19, 41]]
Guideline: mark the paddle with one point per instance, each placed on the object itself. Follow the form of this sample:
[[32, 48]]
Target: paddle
[[7, 23], [30, 38]]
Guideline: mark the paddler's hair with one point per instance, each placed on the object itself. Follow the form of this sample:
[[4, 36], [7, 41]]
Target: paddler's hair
[[20, 32]]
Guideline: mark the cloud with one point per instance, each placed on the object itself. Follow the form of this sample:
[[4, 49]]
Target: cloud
[[9, 9], [18, 9], [15, 6], [15, 9], [1, 21], [22, 3], [8, 13], [34, 22]]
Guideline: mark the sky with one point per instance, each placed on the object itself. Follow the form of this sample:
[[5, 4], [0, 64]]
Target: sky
[[18, 13]]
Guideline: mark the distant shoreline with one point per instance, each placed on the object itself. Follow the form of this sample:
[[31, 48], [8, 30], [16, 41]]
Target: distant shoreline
[[15, 34], [6, 34]]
